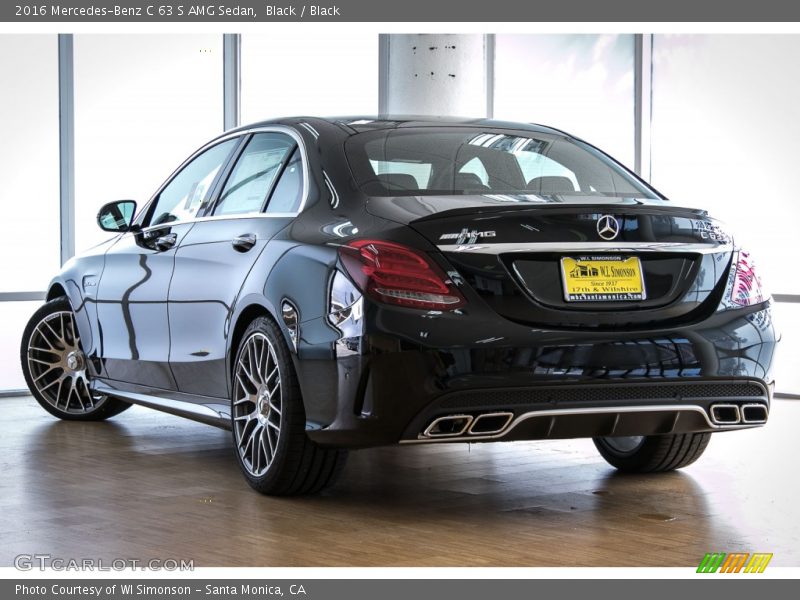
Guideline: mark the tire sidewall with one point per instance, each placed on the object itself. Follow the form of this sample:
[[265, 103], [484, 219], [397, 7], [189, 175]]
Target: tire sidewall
[[631, 460]]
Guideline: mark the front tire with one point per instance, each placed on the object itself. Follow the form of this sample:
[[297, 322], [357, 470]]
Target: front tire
[[56, 368], [268, 420], [652, 453]]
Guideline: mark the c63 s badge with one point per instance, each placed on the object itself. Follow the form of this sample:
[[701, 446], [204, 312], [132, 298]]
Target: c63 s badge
[[467, 236]]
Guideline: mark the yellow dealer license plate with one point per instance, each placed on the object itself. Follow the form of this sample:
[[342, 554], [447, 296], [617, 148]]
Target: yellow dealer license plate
[[602, 279]]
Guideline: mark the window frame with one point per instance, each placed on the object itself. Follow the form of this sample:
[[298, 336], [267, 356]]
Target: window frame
[[244, 136], [231, 166], [146, 214]]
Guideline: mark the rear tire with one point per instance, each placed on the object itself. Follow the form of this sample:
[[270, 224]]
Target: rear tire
[[269, 423], [56, 368], [653, 453]]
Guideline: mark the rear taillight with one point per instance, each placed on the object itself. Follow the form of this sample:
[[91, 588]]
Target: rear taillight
[[746, 288], [397, 274]]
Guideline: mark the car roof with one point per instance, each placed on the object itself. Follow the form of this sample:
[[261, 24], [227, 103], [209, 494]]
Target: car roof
[[354, 124]]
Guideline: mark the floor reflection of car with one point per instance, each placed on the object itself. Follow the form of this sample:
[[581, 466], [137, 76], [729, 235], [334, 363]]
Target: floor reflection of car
[[317, 285]]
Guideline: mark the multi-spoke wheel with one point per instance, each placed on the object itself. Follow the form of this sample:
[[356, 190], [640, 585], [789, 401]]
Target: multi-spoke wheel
[[652, 453], [268, 419], [257, 404], [56, 368]]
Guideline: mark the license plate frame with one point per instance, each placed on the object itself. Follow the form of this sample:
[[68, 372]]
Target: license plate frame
[[594, 278]]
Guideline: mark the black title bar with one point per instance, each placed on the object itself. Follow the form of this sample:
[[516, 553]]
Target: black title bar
[[441, 11]]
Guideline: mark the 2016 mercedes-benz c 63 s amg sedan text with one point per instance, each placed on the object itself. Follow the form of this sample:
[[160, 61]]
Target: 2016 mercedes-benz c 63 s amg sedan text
[[323, 284]]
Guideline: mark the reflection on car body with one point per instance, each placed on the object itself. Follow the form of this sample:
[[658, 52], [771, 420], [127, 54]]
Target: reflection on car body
[[323, 284]]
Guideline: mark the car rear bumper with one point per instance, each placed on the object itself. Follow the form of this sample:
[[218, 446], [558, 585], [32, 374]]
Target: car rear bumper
[[605, 409], [380, 388]]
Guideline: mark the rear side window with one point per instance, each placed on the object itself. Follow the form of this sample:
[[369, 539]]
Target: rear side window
[[427, 161], [249, 185], [288, 192]]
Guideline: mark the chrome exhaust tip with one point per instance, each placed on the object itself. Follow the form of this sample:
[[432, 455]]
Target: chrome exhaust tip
[[725, 414], [448, 426], [754, 413], [490, 423]]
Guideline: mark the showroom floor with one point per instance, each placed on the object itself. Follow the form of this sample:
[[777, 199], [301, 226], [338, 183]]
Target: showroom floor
[[149, 485]]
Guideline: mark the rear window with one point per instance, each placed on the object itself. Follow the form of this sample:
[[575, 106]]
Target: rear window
[[454, 161]]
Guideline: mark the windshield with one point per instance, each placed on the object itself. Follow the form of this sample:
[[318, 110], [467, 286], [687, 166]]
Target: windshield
[[453, 161]]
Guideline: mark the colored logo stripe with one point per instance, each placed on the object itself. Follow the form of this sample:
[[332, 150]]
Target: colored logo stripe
[[758, 562], [734, 563], [711, 562]]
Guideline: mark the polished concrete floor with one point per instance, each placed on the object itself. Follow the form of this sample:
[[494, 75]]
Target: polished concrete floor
[[148, 485]]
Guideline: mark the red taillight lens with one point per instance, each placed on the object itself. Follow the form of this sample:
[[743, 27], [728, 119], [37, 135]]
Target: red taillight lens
[[396, 274], [746, 289]]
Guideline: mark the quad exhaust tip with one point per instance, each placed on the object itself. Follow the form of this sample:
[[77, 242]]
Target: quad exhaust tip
[[733, 414], [458, 425], [490, 423], [725, 414], [448, 426], [754, 413], [495, 423]]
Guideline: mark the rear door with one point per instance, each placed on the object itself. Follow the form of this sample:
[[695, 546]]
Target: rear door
[[263, 191]]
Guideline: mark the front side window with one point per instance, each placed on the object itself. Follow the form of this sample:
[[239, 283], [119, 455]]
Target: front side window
[[249, 186], [190, 190], [462, 160]]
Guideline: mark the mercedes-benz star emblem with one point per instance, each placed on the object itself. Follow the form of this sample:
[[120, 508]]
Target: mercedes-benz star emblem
[[607, 227]]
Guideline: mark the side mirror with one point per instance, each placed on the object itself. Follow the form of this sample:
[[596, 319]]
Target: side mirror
[[117, 216]]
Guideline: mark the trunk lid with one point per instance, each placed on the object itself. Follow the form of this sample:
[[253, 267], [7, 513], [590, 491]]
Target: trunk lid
[[511, 251]]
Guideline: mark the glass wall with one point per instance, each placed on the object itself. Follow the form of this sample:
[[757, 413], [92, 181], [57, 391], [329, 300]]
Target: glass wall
[[582, 84], [724, 130], [726, 137], [29, 194], [13, 318], [308, 73], [143, 103]]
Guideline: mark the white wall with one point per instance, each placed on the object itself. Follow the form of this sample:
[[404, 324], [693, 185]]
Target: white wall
[[324, 74]]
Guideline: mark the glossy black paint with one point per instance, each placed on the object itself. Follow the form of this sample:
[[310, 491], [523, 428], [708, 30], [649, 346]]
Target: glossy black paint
[[162, 309]]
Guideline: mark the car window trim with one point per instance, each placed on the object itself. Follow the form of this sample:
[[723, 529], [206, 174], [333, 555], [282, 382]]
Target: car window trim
[[242, 134]]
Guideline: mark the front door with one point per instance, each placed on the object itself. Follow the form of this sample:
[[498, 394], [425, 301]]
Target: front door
[[132, 295]]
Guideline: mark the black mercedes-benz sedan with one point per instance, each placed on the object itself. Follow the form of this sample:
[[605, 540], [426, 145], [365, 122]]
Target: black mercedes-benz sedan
[[319, 284]]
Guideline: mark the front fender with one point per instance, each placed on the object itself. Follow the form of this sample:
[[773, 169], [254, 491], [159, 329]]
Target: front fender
[[79, 279]]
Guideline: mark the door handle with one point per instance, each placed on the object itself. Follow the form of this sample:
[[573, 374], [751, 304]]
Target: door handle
[[244, 242], [165, 242]]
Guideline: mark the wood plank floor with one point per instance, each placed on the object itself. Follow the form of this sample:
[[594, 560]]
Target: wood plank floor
[[148, 485]]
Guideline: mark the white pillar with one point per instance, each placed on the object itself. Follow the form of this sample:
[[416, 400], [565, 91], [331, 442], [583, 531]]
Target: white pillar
[[437, 74]]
